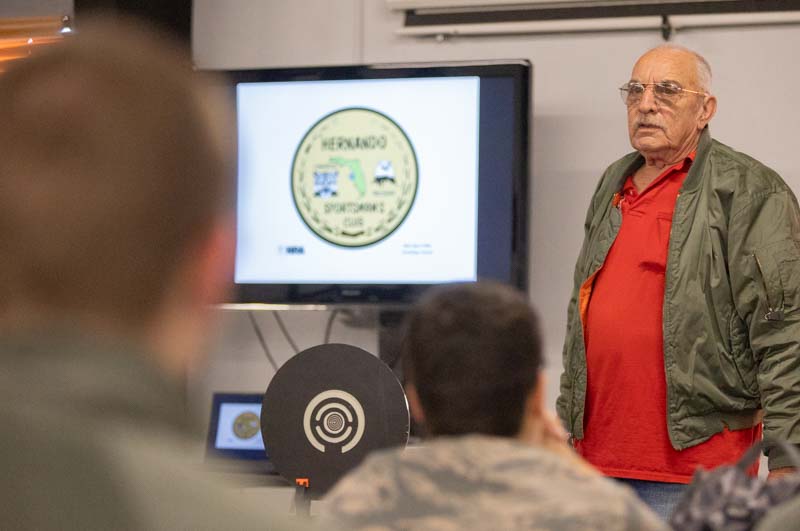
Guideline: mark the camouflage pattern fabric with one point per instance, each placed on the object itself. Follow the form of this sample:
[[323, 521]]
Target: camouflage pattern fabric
[[480, 482], [783, 517], [729, 499]]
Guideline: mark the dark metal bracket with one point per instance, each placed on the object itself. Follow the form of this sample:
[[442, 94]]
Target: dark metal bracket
[[666, 27]]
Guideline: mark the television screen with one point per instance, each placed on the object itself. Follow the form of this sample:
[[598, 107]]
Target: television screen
[[235, 427], [372, 183]]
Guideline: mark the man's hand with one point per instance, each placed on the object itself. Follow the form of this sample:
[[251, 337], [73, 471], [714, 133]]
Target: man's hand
[[551, 435], [780, 472], [553, 429]]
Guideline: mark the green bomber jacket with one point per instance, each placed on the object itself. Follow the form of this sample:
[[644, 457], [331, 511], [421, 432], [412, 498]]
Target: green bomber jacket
[[731, 312]]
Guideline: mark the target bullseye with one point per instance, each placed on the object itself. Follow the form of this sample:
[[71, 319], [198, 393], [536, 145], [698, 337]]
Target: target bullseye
[[326, 409]]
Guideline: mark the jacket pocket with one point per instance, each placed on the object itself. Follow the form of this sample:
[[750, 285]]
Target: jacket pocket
[[778, 265], [742, 355], [657, 248]]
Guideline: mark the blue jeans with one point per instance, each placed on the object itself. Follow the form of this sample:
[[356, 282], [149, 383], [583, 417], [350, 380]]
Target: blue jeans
[[660, 497]]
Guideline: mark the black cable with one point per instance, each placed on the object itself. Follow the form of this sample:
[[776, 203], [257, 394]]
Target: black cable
[[329, 326], [397, 358], [285, 332], [261, 340], [392, 327]]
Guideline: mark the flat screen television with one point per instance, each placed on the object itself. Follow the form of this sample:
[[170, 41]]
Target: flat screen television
[[370, 184]]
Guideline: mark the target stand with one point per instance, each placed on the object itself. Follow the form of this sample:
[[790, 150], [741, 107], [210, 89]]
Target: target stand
[[325, 410]]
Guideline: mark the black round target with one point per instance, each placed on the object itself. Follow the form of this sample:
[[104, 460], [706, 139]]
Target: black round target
[[328, 407]]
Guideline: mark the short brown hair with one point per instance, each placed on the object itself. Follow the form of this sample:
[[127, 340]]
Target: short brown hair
[[109, 171], [473, 353]]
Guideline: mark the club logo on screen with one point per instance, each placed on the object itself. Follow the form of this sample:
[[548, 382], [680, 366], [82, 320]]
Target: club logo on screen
[[354, 177], [246, 425], [334, 417]]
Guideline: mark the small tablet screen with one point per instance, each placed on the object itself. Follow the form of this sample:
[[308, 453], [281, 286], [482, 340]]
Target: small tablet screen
[[235, 427]]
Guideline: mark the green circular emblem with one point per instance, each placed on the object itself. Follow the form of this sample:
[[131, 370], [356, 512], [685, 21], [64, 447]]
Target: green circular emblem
[[246, 425], [354, 177]]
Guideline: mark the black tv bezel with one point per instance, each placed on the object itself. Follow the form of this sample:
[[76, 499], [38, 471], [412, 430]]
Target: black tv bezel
[[402, 294]]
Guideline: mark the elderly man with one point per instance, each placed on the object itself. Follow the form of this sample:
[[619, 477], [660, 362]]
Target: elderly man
[[115, 238], [683, 326], [495, 458]]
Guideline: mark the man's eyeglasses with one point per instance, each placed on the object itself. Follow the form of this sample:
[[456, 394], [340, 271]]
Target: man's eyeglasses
[[664, 92]]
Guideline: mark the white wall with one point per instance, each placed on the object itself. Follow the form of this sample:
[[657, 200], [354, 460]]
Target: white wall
[[238, 363], [35, 8], [258, 33], [578, 122]]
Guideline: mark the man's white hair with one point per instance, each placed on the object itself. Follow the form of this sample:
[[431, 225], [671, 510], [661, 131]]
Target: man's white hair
[[703, 68]]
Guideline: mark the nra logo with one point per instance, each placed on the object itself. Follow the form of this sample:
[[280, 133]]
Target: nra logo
[[292, 249]]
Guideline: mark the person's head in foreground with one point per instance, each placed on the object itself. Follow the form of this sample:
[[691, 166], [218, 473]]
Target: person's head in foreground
[[115, 238], [472, 357], [669, 103], [494, 458], [116, 185]]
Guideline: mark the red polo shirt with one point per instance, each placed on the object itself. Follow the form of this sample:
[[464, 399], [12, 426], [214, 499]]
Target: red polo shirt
[[625, 412]]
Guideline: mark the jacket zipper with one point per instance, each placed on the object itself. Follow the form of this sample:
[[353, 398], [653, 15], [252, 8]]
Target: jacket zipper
[[616, 202], [664, 316]]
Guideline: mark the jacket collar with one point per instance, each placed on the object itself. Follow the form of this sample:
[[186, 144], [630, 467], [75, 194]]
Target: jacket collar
[[693, 178]]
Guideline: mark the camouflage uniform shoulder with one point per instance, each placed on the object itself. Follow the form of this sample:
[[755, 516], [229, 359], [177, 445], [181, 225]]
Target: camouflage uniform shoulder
[[478, 482]]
